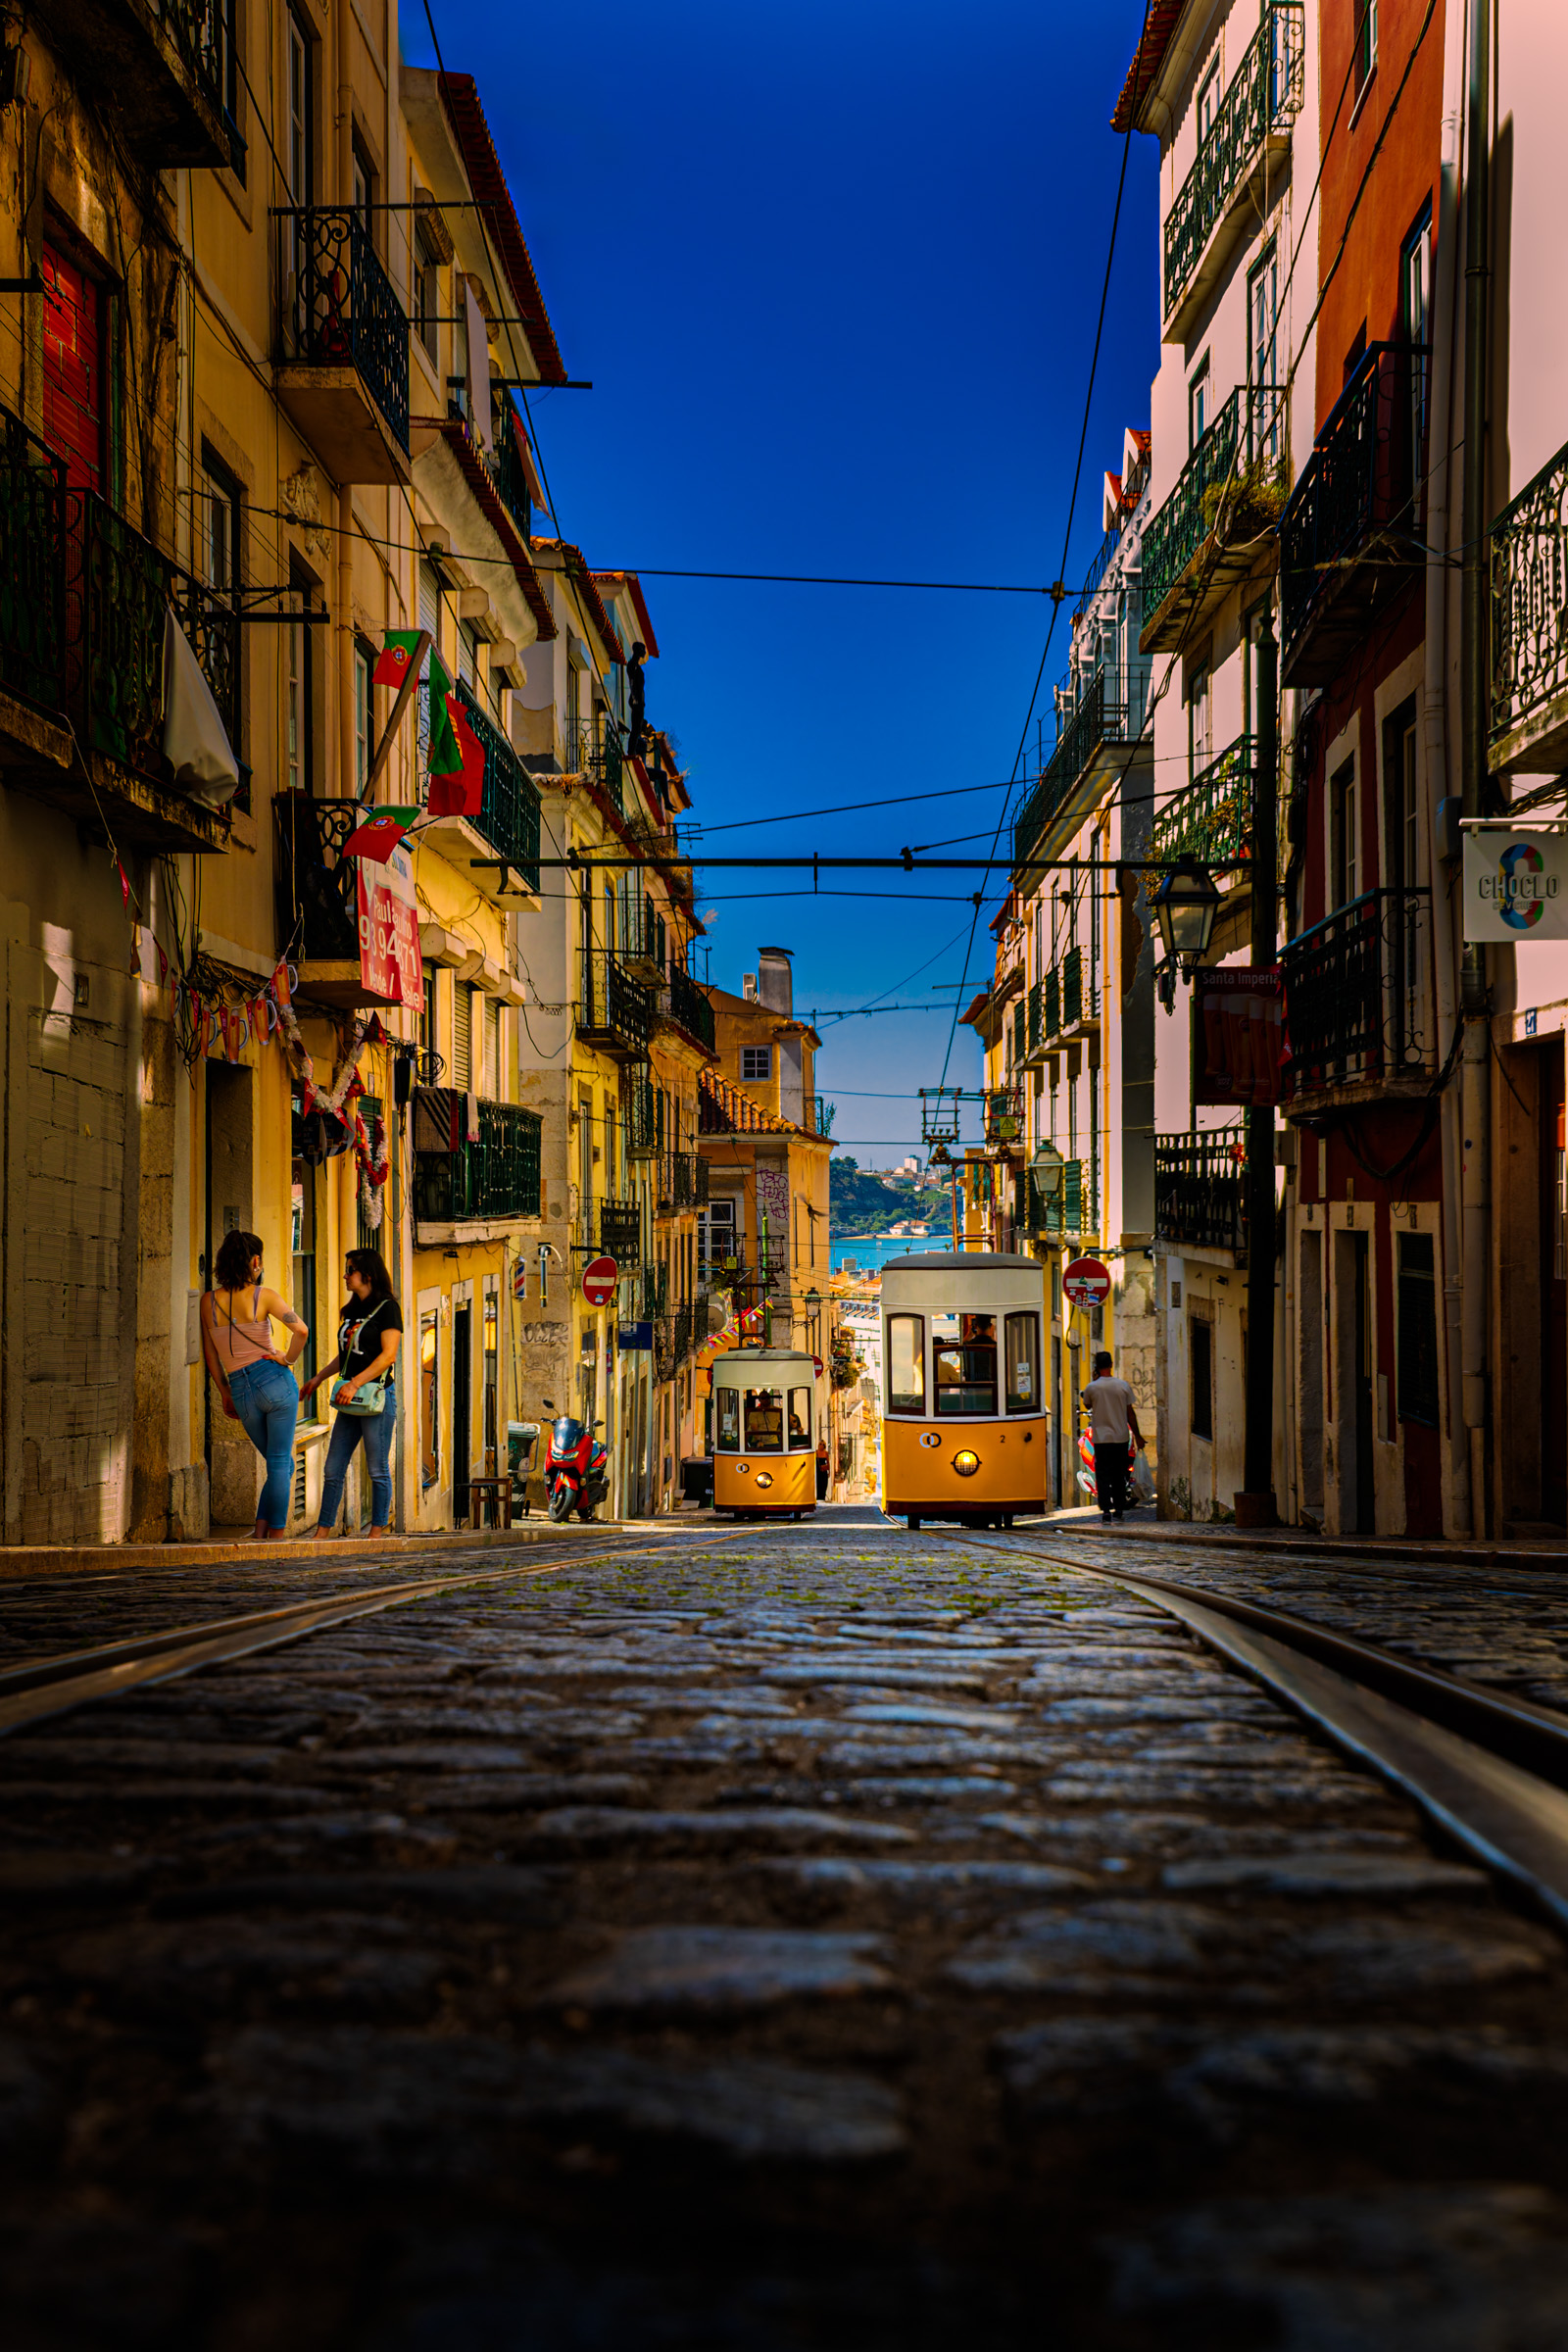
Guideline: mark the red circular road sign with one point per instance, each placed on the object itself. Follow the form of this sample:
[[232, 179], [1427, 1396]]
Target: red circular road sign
[[1087, 1282], [599, 1279]]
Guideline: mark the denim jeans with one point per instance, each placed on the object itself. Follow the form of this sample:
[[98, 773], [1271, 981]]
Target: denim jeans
[[267, 1399], [348, 1428]]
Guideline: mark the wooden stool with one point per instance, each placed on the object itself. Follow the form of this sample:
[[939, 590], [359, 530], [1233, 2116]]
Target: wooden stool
[[499, 1492]]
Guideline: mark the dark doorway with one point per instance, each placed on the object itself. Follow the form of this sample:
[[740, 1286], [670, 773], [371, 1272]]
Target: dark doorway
[[1365, 1503], [461, 1398], [227, 1149], [1352, 1365], [1550, 1126]]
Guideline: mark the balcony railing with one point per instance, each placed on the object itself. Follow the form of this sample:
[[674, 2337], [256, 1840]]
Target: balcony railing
[[615, 1011], [647, 938], [508, 814], [1213, 819], [1530, 619], [1364, 478], [592, 747], [620, 1231], [456, 1182], [32, 567], [1262, 101], [819, 1116], [118, 590], [678, 1182], [1097, 719], [653, 1290], [506, 469], [340, 309], [1200, 1190], [644, 1134], [1004, 1114], [1247, 438], [1358, 997], [684, 1003], [1080, 990], [317, 887]]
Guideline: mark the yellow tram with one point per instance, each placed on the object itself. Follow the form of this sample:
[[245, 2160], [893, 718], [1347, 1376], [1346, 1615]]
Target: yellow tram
[[765, 1441], [963, 1407]]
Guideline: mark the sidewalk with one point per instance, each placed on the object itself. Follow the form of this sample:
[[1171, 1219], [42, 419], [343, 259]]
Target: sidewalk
[[1460, 1553], [413, 1553]]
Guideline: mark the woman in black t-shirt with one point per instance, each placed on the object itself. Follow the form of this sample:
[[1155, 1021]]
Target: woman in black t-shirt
[[368, 1336]]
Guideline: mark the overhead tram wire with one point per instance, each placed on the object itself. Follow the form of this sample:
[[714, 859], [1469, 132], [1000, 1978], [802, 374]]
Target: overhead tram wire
[[1066, 537]]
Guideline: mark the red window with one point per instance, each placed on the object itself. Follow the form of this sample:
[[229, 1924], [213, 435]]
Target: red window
[[74, 368]]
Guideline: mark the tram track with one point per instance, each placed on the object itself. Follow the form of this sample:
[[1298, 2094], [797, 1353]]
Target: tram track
[[52, 1685], [1490, 1771]]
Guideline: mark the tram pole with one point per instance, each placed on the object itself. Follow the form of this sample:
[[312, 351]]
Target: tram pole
[[1254, 1504]]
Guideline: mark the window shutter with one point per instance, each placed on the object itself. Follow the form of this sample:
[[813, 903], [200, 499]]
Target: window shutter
[[462, 1040], [492, 1049]]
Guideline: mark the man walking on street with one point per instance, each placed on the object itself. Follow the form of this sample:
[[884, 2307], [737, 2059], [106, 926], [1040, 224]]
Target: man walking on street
[[1112, 1420]]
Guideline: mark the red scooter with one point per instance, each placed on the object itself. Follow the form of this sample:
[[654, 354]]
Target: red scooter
[[577, 1469]]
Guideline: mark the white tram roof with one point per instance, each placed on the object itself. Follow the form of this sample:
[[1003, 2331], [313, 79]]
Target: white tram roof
[[947, 1261], [745, 1362]]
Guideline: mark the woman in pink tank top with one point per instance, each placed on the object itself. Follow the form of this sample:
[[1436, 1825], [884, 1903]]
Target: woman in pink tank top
[[255, 1381]]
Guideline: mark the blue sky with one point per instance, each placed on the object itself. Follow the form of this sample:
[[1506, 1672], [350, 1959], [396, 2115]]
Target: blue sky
[[833, 271]]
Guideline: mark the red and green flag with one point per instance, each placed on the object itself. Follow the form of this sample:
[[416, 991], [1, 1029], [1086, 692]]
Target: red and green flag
[[445, 753], [380, 834], [457, 789], [392, 663]]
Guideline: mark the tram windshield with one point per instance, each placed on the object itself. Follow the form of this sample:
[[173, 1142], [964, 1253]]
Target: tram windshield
[[1023, 1365], [964, 1349], [765, 1420]]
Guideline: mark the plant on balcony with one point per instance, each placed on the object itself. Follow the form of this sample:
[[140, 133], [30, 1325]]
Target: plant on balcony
[[1251, 504]]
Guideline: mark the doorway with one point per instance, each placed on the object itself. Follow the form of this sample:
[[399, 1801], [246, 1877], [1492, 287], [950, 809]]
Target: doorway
[[232, 1464], [1353, 1288], [1311, 1391], [1553, 1196], [462, 1401]]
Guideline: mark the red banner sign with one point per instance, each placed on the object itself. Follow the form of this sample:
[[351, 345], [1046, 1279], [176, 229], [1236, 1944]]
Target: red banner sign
[[1237, 1036], [390, 963]]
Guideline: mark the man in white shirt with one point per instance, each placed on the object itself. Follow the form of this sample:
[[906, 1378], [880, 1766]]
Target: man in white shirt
[[1113, 1420]]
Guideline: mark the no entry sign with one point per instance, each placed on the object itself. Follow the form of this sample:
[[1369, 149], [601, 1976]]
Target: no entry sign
[[1087, 1282], [599, 1277]]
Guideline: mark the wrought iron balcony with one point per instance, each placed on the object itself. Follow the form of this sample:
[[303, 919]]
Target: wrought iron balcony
[[1203, 537], [592, 747], [32, 567], [1200, 1190], [685, 1005], [508, 814], [1529, 718], [162, 66], [615, 1012], [506, 469], [1251, 129], [343, 344], [819, 1116], [1212, 818], [645, 1135], [677, 1182], [1350, 535], [1099, 718], [456, 1182], [620, 1231], [653, 1290], [1358, 1011], [317, 894], [647, 939], [1004, 1114]]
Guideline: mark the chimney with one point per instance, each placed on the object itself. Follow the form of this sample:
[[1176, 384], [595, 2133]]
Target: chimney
[[749, 986], [775, 981]]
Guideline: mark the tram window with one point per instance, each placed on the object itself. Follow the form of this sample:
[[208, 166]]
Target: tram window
[[906, 1364], [965, 1363], [1023, 1365], [799, 1417], [728, 1402], [765, 1420]]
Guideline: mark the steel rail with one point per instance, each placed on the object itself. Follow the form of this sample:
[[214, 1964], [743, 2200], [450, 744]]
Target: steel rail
[[49, 1686], [1492, 1772]]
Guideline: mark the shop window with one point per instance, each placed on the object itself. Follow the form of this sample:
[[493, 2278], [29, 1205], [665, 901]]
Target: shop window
[[1200, 1377]]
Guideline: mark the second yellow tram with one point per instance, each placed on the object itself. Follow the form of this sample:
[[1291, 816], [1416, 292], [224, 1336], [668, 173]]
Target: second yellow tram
[[963, 1397], [764, 1434]]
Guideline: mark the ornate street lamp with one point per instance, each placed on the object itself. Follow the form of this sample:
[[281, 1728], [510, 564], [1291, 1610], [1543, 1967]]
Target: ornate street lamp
[[1047, 1171], [1185, 906]]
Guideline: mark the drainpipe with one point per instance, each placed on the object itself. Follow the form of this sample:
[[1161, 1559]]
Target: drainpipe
[[1475, 1103], [1255, 1507], [1435, 736]]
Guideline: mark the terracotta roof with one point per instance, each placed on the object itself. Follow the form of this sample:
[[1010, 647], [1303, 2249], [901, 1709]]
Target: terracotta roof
[[978, 1009], [1160, 20], [576, 569], [498, 515], [615, 581], [746, 1116], [488, 181]]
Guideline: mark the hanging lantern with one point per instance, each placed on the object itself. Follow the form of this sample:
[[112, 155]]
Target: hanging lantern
[[1185, 906]]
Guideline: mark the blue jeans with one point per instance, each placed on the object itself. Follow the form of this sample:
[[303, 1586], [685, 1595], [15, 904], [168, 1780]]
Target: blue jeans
[[348, 1428], [267, 1399]]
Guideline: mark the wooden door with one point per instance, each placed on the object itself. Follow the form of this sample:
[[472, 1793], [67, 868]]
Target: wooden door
[[74, 368]]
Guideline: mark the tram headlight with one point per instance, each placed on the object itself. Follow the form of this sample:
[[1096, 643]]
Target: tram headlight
[[765, 1478], [967, 1463]]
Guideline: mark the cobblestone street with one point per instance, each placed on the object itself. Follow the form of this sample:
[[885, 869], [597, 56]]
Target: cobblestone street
[[823, 1937]]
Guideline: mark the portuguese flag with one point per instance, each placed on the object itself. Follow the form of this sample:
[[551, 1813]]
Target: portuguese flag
[[379, 835], [392, 663], [445, 753], [458, 790]]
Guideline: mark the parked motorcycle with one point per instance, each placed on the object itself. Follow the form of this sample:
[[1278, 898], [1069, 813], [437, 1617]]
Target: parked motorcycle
[[576, 1468], [1139, 1487]]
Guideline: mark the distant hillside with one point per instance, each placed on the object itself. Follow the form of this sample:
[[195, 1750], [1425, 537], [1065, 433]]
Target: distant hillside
[[861, 1204]]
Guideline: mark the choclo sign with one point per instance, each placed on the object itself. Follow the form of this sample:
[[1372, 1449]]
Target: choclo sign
[[599, 1277], [1087, 1282]]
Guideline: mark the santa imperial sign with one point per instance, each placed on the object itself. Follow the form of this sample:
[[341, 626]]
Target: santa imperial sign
[[1515, 883]]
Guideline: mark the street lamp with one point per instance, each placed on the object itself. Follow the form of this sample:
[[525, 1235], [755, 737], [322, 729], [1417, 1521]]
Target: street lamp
[[1047, 1171], [1185, 906]]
